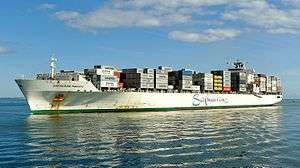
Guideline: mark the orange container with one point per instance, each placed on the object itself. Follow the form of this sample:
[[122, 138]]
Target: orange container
[[120, 85], [227, 89], [117, 74]]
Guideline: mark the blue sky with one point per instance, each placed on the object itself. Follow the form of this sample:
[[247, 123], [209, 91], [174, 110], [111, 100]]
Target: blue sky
[[197, 34]]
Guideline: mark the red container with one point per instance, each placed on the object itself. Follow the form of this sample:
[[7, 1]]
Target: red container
[[227, 89], [120, 85]]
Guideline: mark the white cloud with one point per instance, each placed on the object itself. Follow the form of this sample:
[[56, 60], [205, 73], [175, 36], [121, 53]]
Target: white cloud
[[108, 18], [46, 6], [3, 50], [137, 13], [260, 14], [111, 18], [207, 36]]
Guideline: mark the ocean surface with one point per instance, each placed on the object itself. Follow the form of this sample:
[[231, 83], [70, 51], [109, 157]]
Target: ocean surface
[[254, 137]]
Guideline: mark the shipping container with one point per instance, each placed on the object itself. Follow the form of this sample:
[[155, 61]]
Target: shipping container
[[262, 83], [269, 84], [133, 70], [227, 89], [185, 85], [238, 81], [108, 67], [170, 87], [242, 87], [161, 85], [250, 78], [274, 84], [105, 78], [195, 88], [104, 72], [160, 71], [168, 69], [148, 71], [136, 78]]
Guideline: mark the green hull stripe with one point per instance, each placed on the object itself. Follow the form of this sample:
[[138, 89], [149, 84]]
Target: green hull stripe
[[138, 109]]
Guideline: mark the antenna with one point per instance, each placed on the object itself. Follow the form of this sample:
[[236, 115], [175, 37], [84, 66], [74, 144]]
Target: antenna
[[53, 61]]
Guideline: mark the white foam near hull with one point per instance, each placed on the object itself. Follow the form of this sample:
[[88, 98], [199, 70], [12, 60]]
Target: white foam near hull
[[84, 97]]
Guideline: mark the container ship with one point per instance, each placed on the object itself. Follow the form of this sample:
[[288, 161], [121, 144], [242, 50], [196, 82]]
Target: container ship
[[108, 89]]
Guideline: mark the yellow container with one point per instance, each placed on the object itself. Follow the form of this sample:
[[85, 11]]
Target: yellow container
[[218, 88], [218, 84], [218, 81], [217, 77]]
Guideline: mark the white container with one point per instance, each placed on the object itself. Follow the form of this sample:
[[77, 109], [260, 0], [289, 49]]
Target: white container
[[208, 87], [150, 85], [196, 88], [161, 85], [150, 75], [243, 88], [250, 78], [160, 71], [148, 71], [170, 87], [104, 72], [108, 78], [256, 89], [168, 69], [104, 67], [108, 84]]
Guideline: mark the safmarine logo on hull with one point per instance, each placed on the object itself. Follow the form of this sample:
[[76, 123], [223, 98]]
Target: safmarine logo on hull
[[199, 99]]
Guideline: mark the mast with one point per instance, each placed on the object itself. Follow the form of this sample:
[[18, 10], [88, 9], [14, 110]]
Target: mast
[[53, 61]]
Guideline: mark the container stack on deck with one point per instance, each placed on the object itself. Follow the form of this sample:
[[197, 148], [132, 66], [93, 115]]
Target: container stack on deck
[[160, 79], [262, 83], [138, 78], [204, 80], [104, 77], [274, 84], [218, 81], [181, 80], [239, 81], [164, 78], [222, 80], [279, 85]]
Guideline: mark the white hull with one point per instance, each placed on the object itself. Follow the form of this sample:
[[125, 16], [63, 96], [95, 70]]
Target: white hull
[[84, 97]]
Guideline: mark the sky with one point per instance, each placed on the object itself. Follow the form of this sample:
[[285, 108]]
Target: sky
[[195, 34]]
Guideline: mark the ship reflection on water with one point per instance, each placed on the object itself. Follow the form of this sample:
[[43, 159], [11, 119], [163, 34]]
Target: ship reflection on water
[[213, 138]]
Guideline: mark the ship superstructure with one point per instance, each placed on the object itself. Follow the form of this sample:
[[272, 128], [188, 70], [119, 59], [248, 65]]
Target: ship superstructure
[[106, 88]]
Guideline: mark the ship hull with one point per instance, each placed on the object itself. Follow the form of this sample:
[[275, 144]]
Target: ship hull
[[46, 101]]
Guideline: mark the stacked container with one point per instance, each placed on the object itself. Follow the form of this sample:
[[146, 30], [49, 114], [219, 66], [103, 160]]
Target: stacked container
[[168, 69], [226, 81], [181, 80], [269, 84], [251, 78], [204, 80], [208, 82], [222, 80], [160, 79], [262, 82], [239, 81], [138, 78], [279, 85], [218, 80], [103, 76], [274, 84]]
